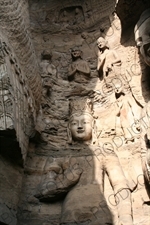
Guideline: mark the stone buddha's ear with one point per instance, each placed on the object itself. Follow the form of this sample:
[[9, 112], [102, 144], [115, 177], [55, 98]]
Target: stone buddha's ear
[[69, 135]]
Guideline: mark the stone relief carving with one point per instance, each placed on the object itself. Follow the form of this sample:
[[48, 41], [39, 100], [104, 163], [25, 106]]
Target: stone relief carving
[[142, 35], [47, 68], [19, 35], [74, 16], [71, 16], [48, 73], [6, 105], [109, 63], [129, 112], [81, 130], [81, 127], [56, 182], [86, 169], [18, 105], [78, 70]]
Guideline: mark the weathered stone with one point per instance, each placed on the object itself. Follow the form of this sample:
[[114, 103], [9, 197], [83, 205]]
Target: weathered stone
[[72, 88]]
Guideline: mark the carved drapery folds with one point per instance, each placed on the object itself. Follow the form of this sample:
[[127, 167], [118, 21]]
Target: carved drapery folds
[[109, 63]]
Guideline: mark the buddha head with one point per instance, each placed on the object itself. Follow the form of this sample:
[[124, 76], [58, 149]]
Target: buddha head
[[101, 43], [142, 35], [76, 53], [81, 127]]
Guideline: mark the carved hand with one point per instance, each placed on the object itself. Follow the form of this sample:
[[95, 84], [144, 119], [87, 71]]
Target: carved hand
[[53, 187], [72, 69]]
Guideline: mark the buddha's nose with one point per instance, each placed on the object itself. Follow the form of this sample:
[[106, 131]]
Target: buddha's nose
[[80, 126]]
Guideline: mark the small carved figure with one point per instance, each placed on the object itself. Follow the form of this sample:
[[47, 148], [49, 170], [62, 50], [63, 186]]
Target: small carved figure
[[109, 62], [142, 37], [48, 72], [128, 111], [47, 68], [79, 69], [78, 17], [64, 17], [87, 37]]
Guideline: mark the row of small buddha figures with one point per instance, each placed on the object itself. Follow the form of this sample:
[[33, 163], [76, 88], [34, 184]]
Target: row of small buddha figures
[[79, 70], [109, 65], [108, 59], [81, 183]]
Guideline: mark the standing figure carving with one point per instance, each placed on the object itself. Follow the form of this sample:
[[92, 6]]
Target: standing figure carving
[[78, 70], [109, 63], [85, 202], [129, 112], [48, 72], [47, 68]]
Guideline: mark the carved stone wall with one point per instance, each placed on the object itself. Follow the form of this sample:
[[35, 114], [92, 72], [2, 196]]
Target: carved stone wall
[[15, 25], [86, 143]]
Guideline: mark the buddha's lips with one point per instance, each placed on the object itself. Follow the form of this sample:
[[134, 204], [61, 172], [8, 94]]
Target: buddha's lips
[[80, 131]]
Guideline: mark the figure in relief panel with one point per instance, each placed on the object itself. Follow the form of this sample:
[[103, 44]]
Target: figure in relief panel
[[47, 68], [129, 112], [78, 70], [109, 63], [48, 72], [88, 193], [82, 129]]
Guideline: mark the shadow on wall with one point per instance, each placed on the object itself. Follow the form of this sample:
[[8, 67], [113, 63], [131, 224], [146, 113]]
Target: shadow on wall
[[129, 13]]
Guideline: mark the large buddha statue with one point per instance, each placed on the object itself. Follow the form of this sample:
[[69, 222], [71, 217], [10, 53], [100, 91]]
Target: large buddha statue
[[85, 202]]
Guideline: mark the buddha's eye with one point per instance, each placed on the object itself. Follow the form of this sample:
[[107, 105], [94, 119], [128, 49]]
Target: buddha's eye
[[85, 122], [74, 123]]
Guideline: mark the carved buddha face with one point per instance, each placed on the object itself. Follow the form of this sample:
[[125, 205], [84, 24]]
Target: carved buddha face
[[76, 53], [142, 35], [81, 127], [118, 89], [101, 43]]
